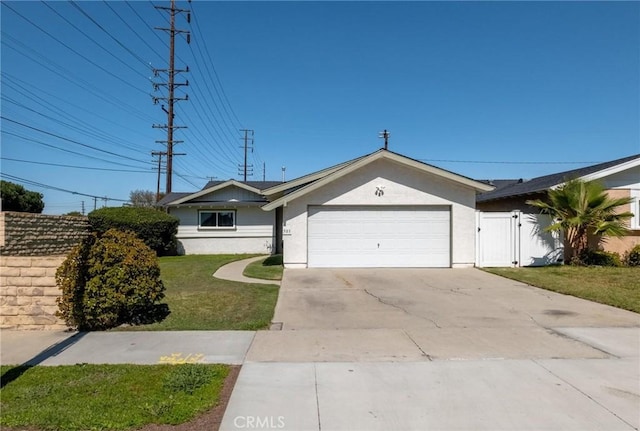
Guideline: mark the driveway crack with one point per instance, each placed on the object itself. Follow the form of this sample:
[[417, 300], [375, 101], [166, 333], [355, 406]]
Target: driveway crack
[[401, 308], [425, 354]]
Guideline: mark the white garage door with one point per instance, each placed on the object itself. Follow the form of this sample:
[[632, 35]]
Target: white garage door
[[367, 236]]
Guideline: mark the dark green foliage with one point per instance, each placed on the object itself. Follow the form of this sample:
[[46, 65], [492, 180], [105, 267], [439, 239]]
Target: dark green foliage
[[632, 257], [598, 258], [156, 228], [273, 260], [108, 281], [188, 378], [16, 198]]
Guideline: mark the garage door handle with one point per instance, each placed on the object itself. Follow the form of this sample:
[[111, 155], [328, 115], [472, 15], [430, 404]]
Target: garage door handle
[[378, 245]]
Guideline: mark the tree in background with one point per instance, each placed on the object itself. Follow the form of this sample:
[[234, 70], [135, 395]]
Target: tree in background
[[16, 198], [142, 198], [583, 210]]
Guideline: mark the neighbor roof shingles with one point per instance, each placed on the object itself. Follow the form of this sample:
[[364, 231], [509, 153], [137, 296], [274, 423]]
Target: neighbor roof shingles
[[545, 182]]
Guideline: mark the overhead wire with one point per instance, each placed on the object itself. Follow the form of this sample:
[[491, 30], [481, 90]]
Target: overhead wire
[[60, 189], [108, 72], [66, 150], [73, 141]]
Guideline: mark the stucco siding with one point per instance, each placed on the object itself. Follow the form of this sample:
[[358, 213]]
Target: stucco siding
[[396, 185], [254, 232]]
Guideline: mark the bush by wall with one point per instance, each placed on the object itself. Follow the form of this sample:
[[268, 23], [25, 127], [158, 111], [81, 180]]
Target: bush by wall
[[110, 280], [599, 258], [156, 228], [632, 257]]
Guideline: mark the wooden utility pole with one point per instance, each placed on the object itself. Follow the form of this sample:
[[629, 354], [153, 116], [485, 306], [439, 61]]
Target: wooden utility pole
[[171, 85], [244, 168]]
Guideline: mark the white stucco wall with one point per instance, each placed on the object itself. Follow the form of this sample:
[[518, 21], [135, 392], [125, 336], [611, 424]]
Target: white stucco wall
[[254, 232], [402, 186]]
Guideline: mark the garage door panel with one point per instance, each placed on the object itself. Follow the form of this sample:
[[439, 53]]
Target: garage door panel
[[379, 236]]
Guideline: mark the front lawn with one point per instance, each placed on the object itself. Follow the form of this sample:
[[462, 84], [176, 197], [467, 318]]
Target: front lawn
[[107, 397], [269, 268], [619, 287], [198, 301]]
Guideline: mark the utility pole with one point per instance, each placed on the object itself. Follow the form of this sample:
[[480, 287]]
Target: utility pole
[[264, 171], [171, 85], [82, 207], [384, 134], [246, 167], [95, 202], [159, 154]]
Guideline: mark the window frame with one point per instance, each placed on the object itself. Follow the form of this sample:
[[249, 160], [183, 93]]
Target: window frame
[[635, 209], [217, 212]]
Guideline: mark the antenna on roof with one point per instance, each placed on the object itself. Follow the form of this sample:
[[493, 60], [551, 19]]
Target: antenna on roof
[[384, 134]]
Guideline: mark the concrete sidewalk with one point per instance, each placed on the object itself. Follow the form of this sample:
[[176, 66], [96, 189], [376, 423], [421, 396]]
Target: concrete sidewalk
[[141, 347], [233, 272], [131, 347]]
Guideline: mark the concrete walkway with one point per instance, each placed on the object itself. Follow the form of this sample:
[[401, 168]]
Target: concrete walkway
[[133, 347], [233, 272]]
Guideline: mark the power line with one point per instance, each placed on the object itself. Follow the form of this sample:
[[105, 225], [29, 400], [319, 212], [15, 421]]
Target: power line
[[59, 189], [123, 46], [91, 168], [73, 50], [4, 132], [70, 140]]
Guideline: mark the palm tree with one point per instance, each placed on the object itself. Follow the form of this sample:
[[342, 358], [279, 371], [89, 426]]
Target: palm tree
[[583, 209]]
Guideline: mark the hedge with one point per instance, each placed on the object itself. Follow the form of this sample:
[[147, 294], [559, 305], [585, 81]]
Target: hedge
[[156, 228]]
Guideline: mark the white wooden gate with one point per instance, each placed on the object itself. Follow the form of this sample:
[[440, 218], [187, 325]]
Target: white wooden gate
[[515, 239]]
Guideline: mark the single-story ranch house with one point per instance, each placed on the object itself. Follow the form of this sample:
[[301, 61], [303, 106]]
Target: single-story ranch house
[[387, 210], [380, 210]]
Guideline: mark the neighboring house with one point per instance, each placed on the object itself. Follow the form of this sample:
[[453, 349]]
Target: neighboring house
[[224, 217], [380, 210], [621, 177]]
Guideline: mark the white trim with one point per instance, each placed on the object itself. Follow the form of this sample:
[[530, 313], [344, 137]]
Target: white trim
[[605, 172], [612, 170], [213, 189], [382, 154], [635, 209]]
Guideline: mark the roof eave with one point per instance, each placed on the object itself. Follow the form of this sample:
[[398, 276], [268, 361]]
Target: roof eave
[[381, 154]]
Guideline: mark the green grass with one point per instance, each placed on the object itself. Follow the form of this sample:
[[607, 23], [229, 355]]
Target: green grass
[[619, 287], [269, 268], [107, 397], [198, 301]]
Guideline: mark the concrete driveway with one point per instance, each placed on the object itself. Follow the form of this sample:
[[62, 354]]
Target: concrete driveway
[[367, 349]]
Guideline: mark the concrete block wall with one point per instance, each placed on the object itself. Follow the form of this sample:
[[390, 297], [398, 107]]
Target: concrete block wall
[[26, 234], [32, 247], [28, 292]]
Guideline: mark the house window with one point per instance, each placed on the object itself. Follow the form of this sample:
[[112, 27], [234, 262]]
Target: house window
[[217, 219]]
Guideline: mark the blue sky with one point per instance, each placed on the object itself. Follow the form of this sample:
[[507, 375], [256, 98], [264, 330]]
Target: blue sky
[[485, 89]]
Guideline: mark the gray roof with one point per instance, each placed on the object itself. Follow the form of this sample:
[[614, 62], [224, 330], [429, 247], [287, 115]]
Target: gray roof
[[260, 185], [170, 197], [509, 188]]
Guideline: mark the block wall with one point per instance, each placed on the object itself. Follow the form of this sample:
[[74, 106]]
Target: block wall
[[32, 247]]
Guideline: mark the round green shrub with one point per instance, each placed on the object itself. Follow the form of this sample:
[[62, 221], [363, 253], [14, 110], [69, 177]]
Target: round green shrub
[[108, 281], [156, 228], [632, 257]]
